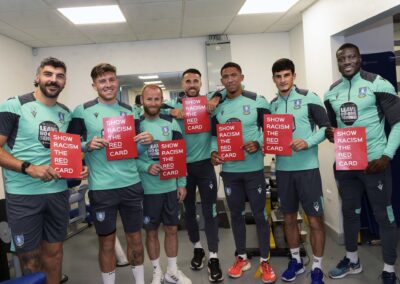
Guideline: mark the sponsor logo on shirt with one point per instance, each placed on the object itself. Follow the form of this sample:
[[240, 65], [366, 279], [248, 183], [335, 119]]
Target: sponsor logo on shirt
[[348, 113], [44, 132], [153, 151]]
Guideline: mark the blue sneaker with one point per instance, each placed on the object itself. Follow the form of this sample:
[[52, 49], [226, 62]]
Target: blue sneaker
[[388, 277], [294, 268], [316, 276], [345, 267]]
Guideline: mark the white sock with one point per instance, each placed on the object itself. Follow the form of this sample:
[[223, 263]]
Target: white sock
[[138, 274], [156, 263], [263, 259], [295, 252], [243, 256], [213, 255], [108, 277], [353, 256], [388, 268], [172, 266], [317, 261], [198, 245]]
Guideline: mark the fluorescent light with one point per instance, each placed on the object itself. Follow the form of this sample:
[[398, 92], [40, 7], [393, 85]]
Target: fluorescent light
[[93, 14], [147, 77], [266, 6], [152, 82], [161, 85]]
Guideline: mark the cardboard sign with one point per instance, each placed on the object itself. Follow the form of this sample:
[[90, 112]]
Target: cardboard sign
[[278, 134], [351, 148], [230, 141], [120, 131], [66, 154], [196, 116], [172, 155]]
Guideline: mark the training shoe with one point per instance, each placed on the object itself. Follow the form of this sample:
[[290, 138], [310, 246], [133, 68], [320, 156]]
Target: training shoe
[[214, 271], [240, 265], [177, 277], [388, 277], [294, 268], [345, 267], [198, 258], [158, 276], [317, 276], [268, 274]]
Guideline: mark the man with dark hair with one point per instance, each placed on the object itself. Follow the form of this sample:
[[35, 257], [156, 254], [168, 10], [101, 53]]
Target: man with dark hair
[[201, 175], [36, 197], [363, 99], [161, 197], [244, 179], [298, 175], [114, 186], [138, 106]]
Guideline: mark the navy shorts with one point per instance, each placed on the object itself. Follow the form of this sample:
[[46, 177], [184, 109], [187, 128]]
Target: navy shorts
[[106, 203], [34, 218], [160, 208]]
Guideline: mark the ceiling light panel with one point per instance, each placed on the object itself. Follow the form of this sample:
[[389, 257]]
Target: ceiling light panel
[[93, 15], [266, 6]]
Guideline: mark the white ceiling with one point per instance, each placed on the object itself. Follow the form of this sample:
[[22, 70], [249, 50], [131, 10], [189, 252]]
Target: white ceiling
[[37, 23]]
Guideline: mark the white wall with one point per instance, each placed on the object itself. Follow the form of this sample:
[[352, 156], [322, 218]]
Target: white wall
[[16, 73], [297, 55], [323, 24]]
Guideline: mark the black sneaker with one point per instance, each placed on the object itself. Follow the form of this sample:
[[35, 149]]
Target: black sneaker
[[214, 271], [388, 277], [198, 259]]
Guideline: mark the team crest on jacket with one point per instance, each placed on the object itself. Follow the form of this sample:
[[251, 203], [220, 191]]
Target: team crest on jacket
[[246, 109], [297, 104], [165, 130], [362, 92], [96, 114], [61, 116], [228, 191]]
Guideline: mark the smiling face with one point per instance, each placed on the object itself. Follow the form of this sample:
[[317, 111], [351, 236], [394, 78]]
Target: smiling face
[[51, 81], [106, 86], [191, 84], [284, 81], [349, 62], [152, 99]]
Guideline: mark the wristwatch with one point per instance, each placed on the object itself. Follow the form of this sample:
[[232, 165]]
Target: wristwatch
[[24, 166]]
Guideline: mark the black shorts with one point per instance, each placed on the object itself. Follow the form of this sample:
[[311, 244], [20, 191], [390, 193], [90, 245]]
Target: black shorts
[[157, 208], [33, 218], [300, 186], [106, 203]]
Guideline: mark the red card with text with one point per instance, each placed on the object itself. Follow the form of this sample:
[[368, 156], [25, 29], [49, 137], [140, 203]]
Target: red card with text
[[351, 148], [172, 159], [196, 118], [66, 154], [120, 132], [278, 134], [230, 141]]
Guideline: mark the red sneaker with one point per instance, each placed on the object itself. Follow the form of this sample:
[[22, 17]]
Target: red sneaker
[[268, 274], [240, 265]]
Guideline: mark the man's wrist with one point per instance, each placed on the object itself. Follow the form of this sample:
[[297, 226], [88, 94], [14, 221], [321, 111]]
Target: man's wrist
[[24, 166]]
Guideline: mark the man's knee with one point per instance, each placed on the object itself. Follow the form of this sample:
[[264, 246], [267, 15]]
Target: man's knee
[[316, 223], [171, 230]]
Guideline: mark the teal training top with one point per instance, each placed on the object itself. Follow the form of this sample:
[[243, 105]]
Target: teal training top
[[249, 109], [308, 113], [163, 128], [87, 121], [27, 123], [198, 145], [366, 100]]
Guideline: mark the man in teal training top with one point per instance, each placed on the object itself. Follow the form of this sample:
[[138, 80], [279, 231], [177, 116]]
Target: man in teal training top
[[298, 175], [114, 186], [37, 199], [161, 197], [365, 99]]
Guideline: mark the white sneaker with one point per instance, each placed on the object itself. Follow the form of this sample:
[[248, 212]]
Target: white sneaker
[[158, 276], [177, 277]]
